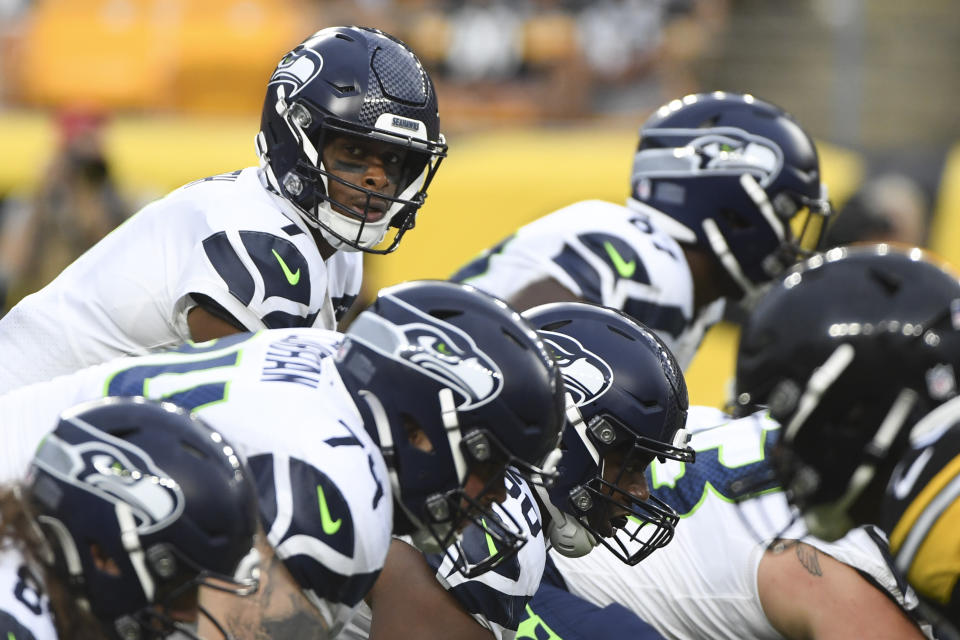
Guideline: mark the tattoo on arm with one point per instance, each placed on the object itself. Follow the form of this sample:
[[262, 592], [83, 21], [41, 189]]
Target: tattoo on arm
[[807, 556]]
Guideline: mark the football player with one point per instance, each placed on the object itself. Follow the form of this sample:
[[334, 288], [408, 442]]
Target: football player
[[855, 353], [725, 192], [406, 424], [627, 406], [349, 141], [739, 564], [128, 508]]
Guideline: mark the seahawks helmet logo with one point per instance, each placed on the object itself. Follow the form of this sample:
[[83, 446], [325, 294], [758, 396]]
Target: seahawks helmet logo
[[297, 69], [431, 346], [586, 375], [721, 150], [117, 472]]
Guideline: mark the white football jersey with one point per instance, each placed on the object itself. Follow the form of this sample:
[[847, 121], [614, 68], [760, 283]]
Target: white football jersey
[[704, 583], [498, 598], [324, 493], [24, 606], [224, 237], [606, 254]]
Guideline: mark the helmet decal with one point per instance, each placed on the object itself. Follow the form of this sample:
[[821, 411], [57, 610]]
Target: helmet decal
[[118, 476], [724, 150], [586, 375], [297, 69], [434, 347]]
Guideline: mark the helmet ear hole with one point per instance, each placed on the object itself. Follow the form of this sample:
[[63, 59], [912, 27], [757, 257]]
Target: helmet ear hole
[[416, 435], [103, 562], [737, 221]]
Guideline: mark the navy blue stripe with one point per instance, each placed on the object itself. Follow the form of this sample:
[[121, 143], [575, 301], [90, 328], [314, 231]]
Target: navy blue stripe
[[582, 273], [199, 395], [596, 243], [501, 608], [481, 264], [305, 481], [130, 382], [342, 304], [263, 249], [284, 320], [663, 318], [378, 494], [261, 466], [555, 613], [688, 491], [227, 263], [10, 628], [330, 585], [292, 230]]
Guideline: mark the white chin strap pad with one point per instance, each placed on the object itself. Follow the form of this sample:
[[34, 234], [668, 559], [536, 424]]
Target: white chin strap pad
[[568, 537], [347, 227]]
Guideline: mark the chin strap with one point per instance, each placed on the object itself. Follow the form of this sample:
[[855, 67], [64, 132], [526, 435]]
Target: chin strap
[[566, 534], [422, 537]]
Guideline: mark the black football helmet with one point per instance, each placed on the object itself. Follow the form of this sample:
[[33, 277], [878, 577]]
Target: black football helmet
[[848, 351], [472, 375], [352, 81], [140, 503], [628, 400], [735, 176]]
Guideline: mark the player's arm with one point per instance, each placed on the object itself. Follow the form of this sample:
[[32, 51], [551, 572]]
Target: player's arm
[[277, 610], [408, 601], [206, 324], [542, 292], [808, 594]]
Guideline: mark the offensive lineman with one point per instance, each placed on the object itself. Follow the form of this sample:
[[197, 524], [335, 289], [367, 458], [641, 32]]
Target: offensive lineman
[[349, 141], [866, 389], [119, 523], [628, 405], [746, 570], [406, 425], [725, 193], [696, 230]]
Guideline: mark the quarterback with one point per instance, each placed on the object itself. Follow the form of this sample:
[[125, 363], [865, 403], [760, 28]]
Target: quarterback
[[349, 141]]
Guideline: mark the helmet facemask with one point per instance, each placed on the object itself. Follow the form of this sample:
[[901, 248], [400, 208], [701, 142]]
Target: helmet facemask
[[607, 501], [446, 515], [362, 82], [437, 521], [360, 219], [441, 406]]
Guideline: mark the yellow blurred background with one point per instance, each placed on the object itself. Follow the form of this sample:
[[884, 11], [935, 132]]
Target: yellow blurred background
[[183, 81]]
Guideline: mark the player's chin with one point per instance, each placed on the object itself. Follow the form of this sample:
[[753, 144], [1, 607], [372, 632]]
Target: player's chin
[[605, 524]]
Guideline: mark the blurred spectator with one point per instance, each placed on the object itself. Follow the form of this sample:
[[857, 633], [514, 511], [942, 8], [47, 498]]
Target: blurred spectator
[[75, 205], [521, 61], [890, 207]]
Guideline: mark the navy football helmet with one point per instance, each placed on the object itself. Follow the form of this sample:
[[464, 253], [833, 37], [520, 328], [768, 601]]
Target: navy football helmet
[[734, 176], [848, 351], [140, 504], [360, 82], [628, 404], [469, 373]]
